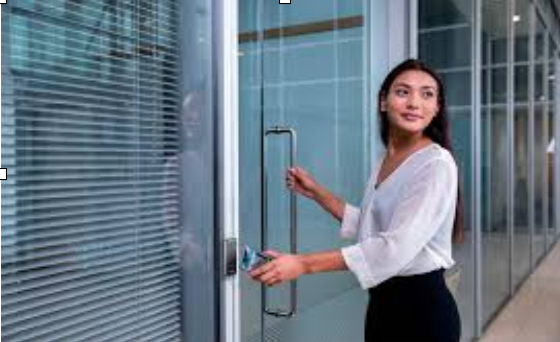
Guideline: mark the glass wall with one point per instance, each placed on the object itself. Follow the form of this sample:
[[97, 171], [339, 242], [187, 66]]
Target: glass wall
[[517, 172], [540, 141], [95, 233], [522, 144], [494, 166], [444, 43]]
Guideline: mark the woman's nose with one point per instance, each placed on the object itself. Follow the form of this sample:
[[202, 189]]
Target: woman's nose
[[412, 102]]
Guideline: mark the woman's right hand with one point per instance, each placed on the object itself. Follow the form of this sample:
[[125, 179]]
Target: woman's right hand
[[299, 180]]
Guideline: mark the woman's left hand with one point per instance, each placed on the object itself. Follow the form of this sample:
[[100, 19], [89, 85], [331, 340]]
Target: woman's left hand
[[284, 267]]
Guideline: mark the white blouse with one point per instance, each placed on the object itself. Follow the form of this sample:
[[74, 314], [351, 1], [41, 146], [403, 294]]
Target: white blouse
[[404, 226]]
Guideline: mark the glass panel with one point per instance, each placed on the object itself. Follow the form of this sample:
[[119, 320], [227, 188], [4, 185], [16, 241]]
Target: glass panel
[[541, 120], [522, 237], [308, 74], [90, 214], [495, 243], [444, 38]]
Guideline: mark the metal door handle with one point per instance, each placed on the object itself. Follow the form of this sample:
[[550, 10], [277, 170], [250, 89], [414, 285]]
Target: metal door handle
[[277, 130]]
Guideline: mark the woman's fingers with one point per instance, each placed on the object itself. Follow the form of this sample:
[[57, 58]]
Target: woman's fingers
[[272, 253], [258, 272]]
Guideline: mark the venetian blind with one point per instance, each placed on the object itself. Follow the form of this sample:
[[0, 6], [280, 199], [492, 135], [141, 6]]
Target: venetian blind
[[89, 135]]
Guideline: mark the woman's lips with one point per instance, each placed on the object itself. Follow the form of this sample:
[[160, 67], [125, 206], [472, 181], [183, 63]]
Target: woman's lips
[[412, 117]]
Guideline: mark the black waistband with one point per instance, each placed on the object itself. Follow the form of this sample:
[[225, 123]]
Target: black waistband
[[430, 279]]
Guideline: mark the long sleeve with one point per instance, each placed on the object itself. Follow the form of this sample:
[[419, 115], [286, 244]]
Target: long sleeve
[[350, 220], [425, 209]]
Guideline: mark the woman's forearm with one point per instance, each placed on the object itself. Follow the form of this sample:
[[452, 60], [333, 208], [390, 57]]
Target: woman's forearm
[[323, 262], [330, 203]]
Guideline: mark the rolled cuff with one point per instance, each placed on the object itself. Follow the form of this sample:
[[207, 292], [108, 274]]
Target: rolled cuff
[[349, 225], [356, 262]]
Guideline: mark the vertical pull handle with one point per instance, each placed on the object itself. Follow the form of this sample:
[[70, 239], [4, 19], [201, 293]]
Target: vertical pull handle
[[277, 130]]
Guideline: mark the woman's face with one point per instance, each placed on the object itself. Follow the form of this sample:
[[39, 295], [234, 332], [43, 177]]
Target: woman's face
[[412, 102]]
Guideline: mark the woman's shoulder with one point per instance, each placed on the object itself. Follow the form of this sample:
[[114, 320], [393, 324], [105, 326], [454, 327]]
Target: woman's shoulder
[[437, 156]]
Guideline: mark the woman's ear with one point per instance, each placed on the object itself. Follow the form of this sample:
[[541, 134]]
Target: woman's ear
[[383, 105]]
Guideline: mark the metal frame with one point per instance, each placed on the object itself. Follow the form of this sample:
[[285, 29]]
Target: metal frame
[[228, 154], [545, 124], [532, 23], [557, 141], [510, 133], [413, 28], [476, 85]]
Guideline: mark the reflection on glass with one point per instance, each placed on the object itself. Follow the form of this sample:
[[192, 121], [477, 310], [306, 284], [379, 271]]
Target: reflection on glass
[[521, 206], [540, 143], [495, 237]]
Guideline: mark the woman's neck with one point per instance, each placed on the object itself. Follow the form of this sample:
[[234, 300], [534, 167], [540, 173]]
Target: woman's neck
[[406, 143]]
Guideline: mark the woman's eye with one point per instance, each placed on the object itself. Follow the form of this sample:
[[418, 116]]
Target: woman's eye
[[428, 94], [401, 92]]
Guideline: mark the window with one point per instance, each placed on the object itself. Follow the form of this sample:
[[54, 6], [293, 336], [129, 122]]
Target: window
[[90, 210]]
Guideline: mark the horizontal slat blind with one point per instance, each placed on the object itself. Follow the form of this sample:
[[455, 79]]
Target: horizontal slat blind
[[90, 210]]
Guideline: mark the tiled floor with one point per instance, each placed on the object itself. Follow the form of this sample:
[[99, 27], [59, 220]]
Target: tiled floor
[[534, 314]]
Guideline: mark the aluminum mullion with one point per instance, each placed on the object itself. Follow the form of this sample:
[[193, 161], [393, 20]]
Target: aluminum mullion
[[510, 131], [476, 89], [556, 153], [531, 147], [545, 109]]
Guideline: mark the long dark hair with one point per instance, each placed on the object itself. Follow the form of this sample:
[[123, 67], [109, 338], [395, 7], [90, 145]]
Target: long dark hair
[[438, 130]]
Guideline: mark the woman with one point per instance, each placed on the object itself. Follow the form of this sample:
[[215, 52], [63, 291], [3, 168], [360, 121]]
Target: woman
[[409, 216]]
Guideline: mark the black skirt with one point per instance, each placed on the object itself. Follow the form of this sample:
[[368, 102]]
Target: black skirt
[[416, 308]]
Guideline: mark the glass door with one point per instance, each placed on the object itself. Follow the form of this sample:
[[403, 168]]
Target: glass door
[[302, 100]]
